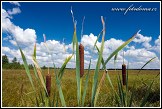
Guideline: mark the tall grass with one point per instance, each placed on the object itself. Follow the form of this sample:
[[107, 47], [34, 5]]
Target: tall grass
[[122, 96]]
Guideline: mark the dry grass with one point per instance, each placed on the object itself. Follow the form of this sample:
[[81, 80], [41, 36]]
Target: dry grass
[[16, 88]]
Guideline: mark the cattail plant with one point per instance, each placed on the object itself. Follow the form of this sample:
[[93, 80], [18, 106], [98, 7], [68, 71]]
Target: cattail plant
[[81, 53], [48, 83], [81, 56], [124, 71], [124, 74]]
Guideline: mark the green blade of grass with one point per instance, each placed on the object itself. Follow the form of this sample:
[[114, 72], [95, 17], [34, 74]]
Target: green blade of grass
[[61, 71], [27, 68], [146, 64], [120, 91], [144, 101], [95, 79], [57, 101], [127, 77], [119, 48], [47, 102], [36, 100], [41, 97], [53, 100], [116, 95], [86, 84], [131, 97]]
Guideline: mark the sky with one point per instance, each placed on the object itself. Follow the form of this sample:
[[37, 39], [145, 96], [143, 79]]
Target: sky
[[26, 22]]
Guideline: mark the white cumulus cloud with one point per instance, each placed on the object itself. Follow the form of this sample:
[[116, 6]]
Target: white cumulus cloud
[[23, 36], [16, 3], [137, 57], [145, 40], [14, 11]]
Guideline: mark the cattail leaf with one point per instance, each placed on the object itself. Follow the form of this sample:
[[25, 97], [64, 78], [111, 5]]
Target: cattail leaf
[[77, 71], [99, 87], [144, 101], [39, 71], [26, 68], [35, 72], [97, 39], [75, 45], [108, 77], [119, 48], [102, 61], [86, 84], [146, 64], [60, 91], [58, 84], [74, 41], [61, 71], [34, 53], [82, 27], [115, 58], [95, 79]]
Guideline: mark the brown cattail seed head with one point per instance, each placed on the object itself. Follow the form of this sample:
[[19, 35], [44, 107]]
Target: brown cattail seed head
[[81, 56], [48, 84], [124, 74]]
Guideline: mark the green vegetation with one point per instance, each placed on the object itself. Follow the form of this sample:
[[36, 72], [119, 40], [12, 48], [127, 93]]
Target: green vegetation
[[17, 90], [13, 65]]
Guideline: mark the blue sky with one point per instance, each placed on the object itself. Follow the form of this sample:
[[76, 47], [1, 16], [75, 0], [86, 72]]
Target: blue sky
[[54, 19]]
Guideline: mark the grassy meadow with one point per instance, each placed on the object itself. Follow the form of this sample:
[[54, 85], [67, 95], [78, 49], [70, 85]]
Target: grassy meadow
[[17, 90]]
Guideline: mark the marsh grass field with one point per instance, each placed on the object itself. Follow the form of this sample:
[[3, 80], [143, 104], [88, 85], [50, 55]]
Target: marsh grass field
[[17, 90]]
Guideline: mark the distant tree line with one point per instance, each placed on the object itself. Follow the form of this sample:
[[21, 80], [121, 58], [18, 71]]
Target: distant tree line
[[12, 65]]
